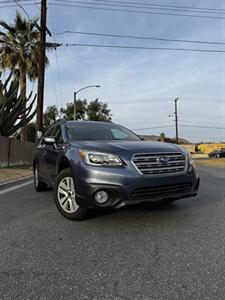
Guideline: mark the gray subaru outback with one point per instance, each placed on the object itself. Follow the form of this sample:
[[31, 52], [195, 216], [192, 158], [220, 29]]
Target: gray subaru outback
[[104, 165]]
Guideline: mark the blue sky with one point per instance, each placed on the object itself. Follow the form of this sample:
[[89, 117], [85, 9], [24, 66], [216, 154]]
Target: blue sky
[[140, 85]]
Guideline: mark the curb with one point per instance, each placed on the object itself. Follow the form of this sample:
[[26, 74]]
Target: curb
[[7, 184]]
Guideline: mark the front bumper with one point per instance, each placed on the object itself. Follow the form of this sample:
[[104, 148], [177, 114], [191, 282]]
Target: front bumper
[[126, 186]]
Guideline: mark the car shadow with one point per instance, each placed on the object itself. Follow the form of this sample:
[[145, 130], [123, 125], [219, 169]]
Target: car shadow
[[158, 209], [151, 207]]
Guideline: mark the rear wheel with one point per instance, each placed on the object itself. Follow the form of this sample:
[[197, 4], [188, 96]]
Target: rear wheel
[[65, 197], [39, 185]]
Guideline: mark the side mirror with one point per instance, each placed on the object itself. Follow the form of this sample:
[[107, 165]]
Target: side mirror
[[142, 138], [49, 141]]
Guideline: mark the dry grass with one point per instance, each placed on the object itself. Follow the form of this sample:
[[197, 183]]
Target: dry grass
[[216, 162], [7, 174]]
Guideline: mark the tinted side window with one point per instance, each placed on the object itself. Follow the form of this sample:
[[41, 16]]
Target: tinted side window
[[57, 133], [47, 133], [119, 134]]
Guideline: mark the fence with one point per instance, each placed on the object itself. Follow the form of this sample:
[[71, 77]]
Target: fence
[[14, 152]]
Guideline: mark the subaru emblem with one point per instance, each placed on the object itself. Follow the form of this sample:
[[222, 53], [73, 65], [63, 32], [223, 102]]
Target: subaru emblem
[[163, 159]]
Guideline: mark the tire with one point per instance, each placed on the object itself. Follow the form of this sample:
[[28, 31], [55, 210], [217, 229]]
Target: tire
[[39, 185], [65, 197]]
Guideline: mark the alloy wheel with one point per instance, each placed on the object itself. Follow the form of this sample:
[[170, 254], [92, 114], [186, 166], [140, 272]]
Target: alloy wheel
[[66, 195]]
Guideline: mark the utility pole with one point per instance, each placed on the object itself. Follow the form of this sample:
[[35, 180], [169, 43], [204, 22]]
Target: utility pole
[[75, 108], [41, 71], [176, 120]]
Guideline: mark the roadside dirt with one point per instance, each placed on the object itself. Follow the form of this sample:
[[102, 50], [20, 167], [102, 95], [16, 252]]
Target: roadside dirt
[[217, 162], [8, 174]]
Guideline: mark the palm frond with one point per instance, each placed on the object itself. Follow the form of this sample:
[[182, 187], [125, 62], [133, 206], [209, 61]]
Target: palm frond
[[19, 46]]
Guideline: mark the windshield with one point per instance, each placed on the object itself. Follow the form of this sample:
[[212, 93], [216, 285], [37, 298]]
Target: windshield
[[98, 132]]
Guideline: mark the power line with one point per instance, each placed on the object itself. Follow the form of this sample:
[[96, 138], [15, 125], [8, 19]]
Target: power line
[[137, 37], [135, 11], [203, 127], [141, 47], [28, 16], [158, 127], [14, 5], [201, 121], [59, 77], [26, 13], [20, 1], [162, 5], [57, 64], [167, 101], [188, 126], [115, 4]]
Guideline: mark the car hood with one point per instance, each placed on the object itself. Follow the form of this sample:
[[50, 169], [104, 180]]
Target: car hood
[[128, 146]]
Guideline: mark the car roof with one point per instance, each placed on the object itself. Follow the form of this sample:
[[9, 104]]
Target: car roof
[[78, 122], [64, 121]]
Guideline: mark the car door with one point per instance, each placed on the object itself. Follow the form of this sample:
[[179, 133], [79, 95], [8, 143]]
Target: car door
[[41, 150], [52, 153]]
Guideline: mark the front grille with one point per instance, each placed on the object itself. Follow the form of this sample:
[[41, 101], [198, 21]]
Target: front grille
[[160, 191], [148, 164]]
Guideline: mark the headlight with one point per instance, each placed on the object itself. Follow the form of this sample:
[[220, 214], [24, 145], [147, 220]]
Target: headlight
[[190, 161], [100, 159]]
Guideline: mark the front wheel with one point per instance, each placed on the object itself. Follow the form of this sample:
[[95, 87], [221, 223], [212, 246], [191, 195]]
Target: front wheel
[[65, 197]]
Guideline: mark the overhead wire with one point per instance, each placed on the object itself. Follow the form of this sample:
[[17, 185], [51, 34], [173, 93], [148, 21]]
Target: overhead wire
[[133, 11], [161, 5], [57, 70], [26, 13], [180, 125], [141, 47], [136, 37], [210, 9], [156, 127], [105, 3], [20, 4]]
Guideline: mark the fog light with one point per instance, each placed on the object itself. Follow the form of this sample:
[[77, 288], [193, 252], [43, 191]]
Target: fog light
[[101, 197]]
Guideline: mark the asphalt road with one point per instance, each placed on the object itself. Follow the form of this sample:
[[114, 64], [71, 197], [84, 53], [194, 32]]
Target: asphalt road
[[142, 252]]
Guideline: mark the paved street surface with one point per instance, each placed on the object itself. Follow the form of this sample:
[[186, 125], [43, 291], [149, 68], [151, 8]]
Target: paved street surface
[[142, 252]]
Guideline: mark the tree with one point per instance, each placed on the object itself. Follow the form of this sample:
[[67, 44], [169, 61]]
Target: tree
[[31, 132], [98, 111], [94, 111], [50, 115], [19, 50], [162, 137], [15, 107], [81, 107]]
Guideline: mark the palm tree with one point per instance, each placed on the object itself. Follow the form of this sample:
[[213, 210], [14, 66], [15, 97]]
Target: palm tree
[[19, 50]]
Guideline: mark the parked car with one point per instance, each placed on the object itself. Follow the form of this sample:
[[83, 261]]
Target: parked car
[[217, 153], [104, 165]]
